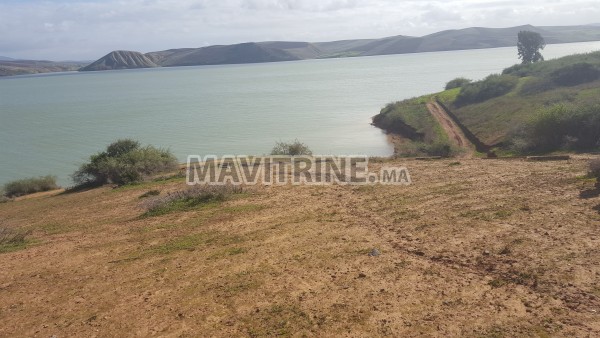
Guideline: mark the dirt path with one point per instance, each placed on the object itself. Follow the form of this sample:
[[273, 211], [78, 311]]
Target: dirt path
[[454, 132]]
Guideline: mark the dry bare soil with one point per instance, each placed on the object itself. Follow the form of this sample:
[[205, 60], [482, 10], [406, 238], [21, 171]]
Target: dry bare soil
[[480, 248]]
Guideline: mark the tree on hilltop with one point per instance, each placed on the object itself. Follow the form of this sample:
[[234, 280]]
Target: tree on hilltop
[[529, 46]]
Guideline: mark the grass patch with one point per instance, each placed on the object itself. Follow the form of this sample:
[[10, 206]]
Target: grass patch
[[278, 320], [56, 228], [150, 194], [228, 252], [185, 243], [12, 240], [189, 199]]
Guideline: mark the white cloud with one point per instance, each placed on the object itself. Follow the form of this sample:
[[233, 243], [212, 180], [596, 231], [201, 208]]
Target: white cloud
[[87, 29]]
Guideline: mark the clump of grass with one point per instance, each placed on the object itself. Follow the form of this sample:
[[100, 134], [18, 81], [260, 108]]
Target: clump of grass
[[149, 194], [190, 198], [29, 186], [11, 240]]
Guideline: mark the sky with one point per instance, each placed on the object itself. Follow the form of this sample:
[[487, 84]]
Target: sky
[[89, 29]]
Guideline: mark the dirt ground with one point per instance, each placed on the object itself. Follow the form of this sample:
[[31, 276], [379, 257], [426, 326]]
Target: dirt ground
[[476, 248]]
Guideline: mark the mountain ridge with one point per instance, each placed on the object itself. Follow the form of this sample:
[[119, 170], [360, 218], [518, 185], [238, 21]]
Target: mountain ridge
[[277, 51]]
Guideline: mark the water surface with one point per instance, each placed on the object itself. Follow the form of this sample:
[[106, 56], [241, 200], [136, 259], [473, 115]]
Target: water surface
[[51, 123]]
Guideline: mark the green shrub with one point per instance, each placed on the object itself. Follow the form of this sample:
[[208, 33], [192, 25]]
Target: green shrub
[[491, 87], [30, 186], [519, 70], [123, 162], [457, 83], [560, 127], [294, 148], [575, 74], [536, 85]]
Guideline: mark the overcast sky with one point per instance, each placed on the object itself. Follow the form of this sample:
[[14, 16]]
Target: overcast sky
[[88, 29]]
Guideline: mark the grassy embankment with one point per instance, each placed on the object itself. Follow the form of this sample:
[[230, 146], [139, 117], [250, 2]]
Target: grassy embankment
[[543, 107]]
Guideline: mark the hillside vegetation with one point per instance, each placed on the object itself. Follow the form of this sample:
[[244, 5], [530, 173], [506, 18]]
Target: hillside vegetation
[[537, 108]]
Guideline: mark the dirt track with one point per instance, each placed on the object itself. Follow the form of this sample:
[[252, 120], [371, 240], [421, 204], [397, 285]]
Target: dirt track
[[454, 132]]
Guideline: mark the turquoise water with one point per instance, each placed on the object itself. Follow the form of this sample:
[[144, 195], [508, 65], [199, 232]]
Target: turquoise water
[[49, 124]]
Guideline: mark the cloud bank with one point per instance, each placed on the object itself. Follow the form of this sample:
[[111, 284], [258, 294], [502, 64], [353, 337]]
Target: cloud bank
[[88, 29]]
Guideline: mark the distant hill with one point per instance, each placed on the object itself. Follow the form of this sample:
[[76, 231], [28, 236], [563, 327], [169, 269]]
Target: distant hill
[[275, 51], [6, 58], [240, 53], [24, 67], [121, 60]]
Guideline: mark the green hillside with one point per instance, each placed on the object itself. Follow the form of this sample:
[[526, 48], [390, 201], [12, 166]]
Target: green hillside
[[537, 108]]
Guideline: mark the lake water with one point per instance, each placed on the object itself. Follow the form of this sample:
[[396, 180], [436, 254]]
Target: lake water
[[50, 124]]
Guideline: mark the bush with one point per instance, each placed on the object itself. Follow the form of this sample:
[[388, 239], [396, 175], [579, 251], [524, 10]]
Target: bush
[[563, 128], [30, 186], [186, 199], [575, 74], [291, 149], [520, 70], [123, 162], [491, 87], [457, 83], [536, 85]]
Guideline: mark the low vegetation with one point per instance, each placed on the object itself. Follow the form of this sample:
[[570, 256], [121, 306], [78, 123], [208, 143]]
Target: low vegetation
[[457, 83], [188, 199], [560, 128], [530, 108], [492, 86], [294, 148], [411, 119], [11, 239], [125, 161], [29, 186]]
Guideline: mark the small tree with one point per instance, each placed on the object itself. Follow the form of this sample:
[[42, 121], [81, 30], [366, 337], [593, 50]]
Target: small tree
[[529, 46], [291, 149]]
